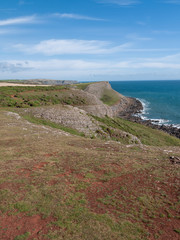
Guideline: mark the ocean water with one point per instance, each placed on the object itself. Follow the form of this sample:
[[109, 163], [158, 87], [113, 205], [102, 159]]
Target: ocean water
[[160, 99]]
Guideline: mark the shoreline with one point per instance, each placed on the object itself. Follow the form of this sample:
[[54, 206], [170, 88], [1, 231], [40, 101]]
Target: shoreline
[[134, 114]]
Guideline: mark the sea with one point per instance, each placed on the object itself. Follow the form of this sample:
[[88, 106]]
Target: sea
[[160, 99]]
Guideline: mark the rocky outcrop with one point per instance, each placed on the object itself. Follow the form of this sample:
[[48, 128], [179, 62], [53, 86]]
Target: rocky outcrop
[[68, 116], [75, 118], [127, 107]]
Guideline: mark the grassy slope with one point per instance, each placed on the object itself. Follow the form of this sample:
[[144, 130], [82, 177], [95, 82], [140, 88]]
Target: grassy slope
[[21, 97], [67, 187], [110, 127], [36, 96], [147, 135], [110, 97]]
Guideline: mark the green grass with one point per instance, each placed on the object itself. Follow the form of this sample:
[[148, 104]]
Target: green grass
[[44, 122], [110, 97], [82, 86], [177, 231], [23, 236], [21, 97], [146, 135], [22, 207]]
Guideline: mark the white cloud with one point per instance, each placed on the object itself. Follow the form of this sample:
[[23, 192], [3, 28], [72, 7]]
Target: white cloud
[[83, 70], [121, 2], [13, 67], [71, 46], [19, 20], [55, 47], [68, 65], [76, 16]]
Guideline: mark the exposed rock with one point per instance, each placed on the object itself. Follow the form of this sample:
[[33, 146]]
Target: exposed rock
[[68, 116], [127, 107], [100, 110], [80, 120]]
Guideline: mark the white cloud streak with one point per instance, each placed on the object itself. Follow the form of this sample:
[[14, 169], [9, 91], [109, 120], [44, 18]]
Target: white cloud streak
[[19, 20], [55, 47], [76, 16], [71, 46]]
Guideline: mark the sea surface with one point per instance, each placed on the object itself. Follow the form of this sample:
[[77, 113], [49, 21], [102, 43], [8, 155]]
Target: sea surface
[[160, 99]]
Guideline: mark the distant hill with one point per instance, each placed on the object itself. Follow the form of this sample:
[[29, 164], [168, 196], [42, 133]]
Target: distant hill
[[43, 82]]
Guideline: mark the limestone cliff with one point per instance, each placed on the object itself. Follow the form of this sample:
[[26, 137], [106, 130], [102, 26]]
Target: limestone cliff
[[120, 106]]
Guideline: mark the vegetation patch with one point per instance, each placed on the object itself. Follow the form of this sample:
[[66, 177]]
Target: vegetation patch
[[82, 86], [22, 97], [146, 135], [23, 236], [110, 97]]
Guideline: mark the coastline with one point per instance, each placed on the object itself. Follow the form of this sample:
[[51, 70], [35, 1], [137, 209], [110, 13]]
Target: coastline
[[134, 114]]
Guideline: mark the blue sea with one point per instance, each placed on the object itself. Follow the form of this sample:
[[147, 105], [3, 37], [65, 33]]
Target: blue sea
[[160, 99]]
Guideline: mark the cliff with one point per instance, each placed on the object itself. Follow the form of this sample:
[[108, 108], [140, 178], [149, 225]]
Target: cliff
[[118, 104]]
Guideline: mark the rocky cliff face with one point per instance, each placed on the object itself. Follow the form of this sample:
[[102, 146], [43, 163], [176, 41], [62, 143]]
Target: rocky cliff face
[[124, 106], [95, 106], [67, 116]]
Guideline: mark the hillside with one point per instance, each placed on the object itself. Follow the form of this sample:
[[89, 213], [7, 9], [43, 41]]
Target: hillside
[[72, 173]]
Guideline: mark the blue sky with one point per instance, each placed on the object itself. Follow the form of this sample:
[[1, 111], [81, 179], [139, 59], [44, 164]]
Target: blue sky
[[90, 40]]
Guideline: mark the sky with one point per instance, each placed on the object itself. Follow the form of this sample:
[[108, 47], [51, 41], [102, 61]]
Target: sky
[[90, 40]]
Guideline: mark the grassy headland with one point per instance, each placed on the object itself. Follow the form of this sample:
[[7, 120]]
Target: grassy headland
[[57, 184]]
